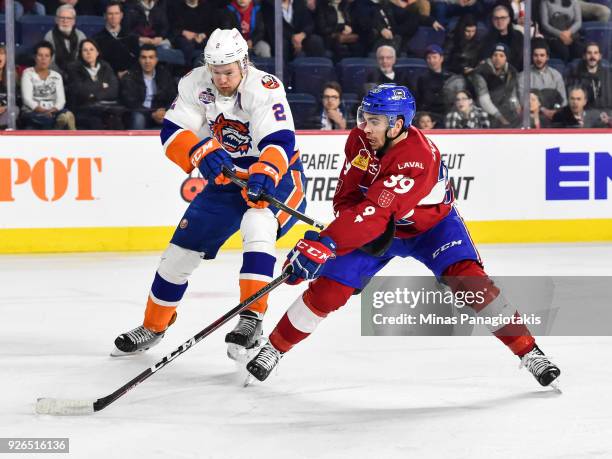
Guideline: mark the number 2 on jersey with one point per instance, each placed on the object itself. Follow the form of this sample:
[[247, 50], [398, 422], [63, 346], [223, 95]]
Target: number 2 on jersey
[[279, 112]]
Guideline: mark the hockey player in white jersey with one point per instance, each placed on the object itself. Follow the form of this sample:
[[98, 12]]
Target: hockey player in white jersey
[[227, 113]]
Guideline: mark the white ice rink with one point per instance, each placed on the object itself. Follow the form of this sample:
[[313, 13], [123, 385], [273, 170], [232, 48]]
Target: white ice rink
[[335, 395]]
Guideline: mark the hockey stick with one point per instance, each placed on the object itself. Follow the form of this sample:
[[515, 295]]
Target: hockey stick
[[273, 201], [74, 407]]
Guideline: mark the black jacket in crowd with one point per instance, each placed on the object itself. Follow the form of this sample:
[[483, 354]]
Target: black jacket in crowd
[[598, 85], [133, 89], [461, 53], [83, 91], [229, 18], [135, 20], [121, 52], [198, 19], [429, 94]]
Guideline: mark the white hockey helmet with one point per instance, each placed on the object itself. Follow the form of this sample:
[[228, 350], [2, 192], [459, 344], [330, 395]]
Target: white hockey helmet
[[226, 46]]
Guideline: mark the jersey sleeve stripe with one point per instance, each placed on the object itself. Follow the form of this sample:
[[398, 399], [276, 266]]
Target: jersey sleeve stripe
[[275, 156], [168, 130], [178, 149], [294, 200], [283, 139]]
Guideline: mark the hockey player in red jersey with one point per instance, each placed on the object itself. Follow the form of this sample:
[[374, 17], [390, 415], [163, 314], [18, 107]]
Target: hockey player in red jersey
[[393, 179]]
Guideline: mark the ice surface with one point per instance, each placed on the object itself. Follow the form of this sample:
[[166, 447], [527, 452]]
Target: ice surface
[[336, 394]]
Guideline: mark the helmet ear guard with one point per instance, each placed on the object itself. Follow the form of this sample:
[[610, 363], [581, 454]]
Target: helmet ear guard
[[390, 100]]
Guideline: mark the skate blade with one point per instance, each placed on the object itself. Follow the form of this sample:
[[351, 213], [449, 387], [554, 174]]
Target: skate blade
[[555, 386], [119, 353], [250, 379]]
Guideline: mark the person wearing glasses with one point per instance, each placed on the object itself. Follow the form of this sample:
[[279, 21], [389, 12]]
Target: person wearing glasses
[[65, 39], [504, 32], [332, 116], [466, 115]]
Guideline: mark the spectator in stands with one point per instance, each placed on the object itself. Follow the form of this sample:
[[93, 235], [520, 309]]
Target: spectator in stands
[[591, 75], [299, 37], [147, 90], [93, 90], [466, 115], [561, 20], [462, 47], [444, 10], [593, 11], [429, 91], [299, 27], [503, 32], [386, 29], [25, 7], [496, 85], [386, 72], [118, 46], [424, 120], [405, 20], [3, 90], [545, 79], [65, 38], [191, 24], [82, 7], [42, 93], [247, 17], [332, 116], [576, 115], [333, 23], [537, 120], [149, 20]]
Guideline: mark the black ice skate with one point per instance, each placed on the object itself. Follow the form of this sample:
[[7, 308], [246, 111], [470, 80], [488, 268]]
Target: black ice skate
[[244, 336], [137, 340], [540, 366], [264, 362]]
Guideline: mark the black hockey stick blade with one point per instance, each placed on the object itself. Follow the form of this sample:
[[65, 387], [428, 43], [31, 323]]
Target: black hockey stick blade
[[275, 202], [76, 407]]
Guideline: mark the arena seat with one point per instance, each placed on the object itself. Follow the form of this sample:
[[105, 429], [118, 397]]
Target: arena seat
[[353, 73], [424, 37], [309, 74], [90, 25], [601, 33], [303, 108], [34, 28]]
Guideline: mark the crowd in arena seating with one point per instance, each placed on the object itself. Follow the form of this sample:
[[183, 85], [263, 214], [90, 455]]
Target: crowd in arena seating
[[110, 64]]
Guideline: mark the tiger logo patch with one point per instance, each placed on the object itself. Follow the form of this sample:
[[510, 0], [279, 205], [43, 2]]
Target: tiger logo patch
[[234, 135]]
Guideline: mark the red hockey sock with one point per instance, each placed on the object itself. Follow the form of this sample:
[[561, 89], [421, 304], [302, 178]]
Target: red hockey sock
[[468, 275], [301, 319]]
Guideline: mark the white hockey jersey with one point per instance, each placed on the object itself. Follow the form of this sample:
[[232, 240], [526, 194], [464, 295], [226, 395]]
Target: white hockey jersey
[[254, 119]]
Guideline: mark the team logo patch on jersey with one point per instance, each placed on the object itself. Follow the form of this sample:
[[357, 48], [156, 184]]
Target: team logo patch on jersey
[[207, 96], [385, 198], [269, 82], [233, 134], [362, 160]]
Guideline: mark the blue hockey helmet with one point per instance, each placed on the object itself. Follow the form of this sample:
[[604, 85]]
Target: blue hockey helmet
[[388, 99]]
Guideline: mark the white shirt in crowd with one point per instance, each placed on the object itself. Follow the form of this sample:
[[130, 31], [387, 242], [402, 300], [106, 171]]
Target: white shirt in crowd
[[47, 93]]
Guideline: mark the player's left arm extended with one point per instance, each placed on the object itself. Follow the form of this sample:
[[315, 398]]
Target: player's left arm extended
[[392, 194]]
